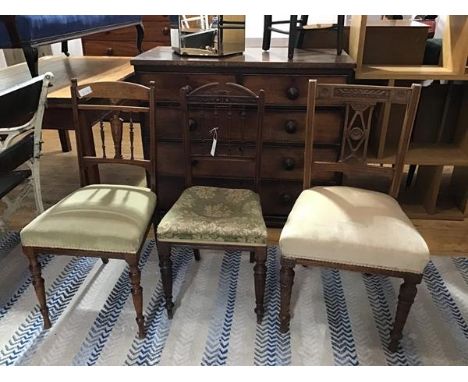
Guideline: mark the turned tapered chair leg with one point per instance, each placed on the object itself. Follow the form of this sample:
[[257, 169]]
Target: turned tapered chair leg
[[38, 283], [165, 264], [252, 257], [286, 283], [260, 278], [405, 300], [196, 254], [137, 293]]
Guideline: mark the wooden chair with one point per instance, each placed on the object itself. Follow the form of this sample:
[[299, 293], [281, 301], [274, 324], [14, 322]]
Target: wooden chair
[[353, 228], [213, 217], [21, 113], [100, 220], [297, 28]]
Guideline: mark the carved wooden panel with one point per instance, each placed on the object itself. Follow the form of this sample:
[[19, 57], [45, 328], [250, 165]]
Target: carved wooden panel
[[359, 93], [117, 124], [358, 121]]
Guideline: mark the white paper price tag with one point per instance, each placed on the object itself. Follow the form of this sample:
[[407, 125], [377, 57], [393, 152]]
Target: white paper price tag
[[85, 91], [213, 147], [214, 132]]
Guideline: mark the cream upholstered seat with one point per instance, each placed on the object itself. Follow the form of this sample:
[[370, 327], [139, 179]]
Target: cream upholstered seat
[[353, 226], [215, 215], [99, 217]]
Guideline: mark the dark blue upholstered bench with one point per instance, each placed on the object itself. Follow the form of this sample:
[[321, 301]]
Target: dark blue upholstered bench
[[29, 32]]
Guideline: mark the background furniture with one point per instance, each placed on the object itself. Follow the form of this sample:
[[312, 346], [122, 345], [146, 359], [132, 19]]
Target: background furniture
[[28, 32], [214, 217], [353, 228], [101, 220], [297, 30], [21, 113], [58, 115], [439, 146], [120, 42], [285, 85], [454, 52]]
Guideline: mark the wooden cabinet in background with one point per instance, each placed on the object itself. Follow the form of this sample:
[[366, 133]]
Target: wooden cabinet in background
[[285, 85], [122, 42]]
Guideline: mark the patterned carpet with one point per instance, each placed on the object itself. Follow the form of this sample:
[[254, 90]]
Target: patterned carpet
[[340, 318]]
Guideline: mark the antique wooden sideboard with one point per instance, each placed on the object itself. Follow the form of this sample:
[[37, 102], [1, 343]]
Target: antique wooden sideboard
[[285, 85]]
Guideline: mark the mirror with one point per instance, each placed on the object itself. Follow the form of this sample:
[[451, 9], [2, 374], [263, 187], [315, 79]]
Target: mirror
[[208, 35]]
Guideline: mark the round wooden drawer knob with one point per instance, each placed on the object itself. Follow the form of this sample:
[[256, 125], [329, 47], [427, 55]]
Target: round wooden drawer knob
[[286, 198], [292, 93], [290, 126], [289, 164], [110, 51], [192, 124], [165, 31]]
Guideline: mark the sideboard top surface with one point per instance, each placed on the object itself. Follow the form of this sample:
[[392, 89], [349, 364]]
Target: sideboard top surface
[[275, 58]]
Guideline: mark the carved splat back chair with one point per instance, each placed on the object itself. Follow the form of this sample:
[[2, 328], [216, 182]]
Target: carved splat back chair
[[354, 228], [21, 113], [101, 220], [216, 217]]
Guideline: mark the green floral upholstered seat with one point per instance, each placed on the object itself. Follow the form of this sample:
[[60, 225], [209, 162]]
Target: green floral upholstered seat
[[215, 215]]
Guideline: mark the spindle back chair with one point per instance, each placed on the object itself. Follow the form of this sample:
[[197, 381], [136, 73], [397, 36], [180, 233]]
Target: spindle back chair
[[101, 220]]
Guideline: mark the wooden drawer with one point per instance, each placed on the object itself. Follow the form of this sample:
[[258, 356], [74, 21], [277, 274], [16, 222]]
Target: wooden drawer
[[278, 198], [288, 162], [287, 89], [154, 31], [277, 162], [171, 161], [289, 126], [160, 18], [168, 85], [169, 124], [279, 126], [116, 48]]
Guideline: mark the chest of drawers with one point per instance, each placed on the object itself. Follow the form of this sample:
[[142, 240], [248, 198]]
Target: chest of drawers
[[122, 42], [285, 86]]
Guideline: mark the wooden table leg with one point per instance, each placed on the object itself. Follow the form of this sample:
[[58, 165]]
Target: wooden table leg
[[65, 140]]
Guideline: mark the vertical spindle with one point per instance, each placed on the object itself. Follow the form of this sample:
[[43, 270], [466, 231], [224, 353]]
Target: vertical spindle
[[103, 138], [132, 136]]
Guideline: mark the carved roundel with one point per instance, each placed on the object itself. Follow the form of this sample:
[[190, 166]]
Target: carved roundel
[[356, 133], [324, 92]]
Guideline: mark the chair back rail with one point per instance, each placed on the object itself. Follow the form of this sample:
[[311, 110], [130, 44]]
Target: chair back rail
[[118, 103], [359, 102], [225, 112]]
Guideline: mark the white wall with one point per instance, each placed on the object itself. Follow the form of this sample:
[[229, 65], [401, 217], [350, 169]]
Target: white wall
[[254, 24]]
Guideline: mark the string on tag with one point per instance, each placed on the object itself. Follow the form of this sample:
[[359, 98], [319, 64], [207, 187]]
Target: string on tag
[[214, 132]]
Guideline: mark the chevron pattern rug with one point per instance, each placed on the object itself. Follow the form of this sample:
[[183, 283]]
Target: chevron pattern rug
[[339, 318]]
